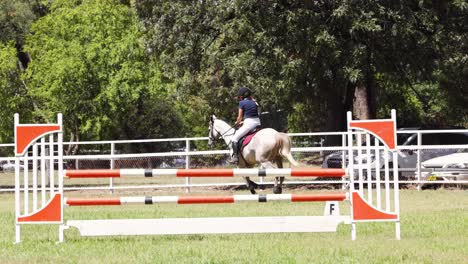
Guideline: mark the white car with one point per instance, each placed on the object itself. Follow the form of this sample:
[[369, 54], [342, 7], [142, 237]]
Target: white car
[[8, 166], [448, 167], [407, 158]]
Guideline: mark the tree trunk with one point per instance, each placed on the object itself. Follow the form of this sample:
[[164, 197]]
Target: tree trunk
[[73, 149], [360, 103], [365, 97]]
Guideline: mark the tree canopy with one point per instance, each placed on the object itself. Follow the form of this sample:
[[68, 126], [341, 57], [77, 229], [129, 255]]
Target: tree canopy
[[89, 63], [312, 58], [158, 68]]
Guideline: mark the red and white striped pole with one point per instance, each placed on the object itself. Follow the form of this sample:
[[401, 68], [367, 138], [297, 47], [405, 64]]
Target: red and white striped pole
[[289, 172], [320, 197]]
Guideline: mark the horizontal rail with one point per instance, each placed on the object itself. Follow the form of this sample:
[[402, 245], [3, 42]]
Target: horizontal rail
[[104, 173], [337, 133], [224, 152], [228, 184], [261, 198]]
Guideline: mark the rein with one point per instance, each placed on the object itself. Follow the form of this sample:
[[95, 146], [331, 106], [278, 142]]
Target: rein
[[223, 134], [228, 131]]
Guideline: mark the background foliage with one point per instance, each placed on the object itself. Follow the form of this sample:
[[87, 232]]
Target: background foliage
[[158, 68]]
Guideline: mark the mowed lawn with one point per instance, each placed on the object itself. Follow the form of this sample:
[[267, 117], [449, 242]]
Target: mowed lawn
[[434, 230]]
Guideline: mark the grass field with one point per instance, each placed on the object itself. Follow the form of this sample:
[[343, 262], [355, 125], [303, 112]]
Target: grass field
[[434, 230]]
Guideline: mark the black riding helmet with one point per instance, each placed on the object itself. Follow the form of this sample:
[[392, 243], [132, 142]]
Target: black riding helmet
[[244, 92]]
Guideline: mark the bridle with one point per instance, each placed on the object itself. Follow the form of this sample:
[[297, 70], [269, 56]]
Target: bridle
[[210, 135], [213, 138]]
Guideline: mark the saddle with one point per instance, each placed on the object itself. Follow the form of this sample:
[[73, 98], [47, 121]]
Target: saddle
[[245, 140]]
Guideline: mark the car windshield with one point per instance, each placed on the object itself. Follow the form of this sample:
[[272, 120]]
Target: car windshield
[[434, 139]]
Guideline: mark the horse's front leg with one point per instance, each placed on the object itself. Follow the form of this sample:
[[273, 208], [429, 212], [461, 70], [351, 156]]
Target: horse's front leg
[[251, 185]]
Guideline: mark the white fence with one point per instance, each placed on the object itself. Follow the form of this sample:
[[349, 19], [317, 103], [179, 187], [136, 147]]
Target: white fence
[[310, 149]]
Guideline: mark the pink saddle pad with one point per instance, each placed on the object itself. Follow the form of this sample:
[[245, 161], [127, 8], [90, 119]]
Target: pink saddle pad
[[248, 138]]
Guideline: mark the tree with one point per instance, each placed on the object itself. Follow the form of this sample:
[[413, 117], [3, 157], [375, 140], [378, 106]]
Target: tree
[[316, 59], [88, 62], [282, 49], [13, 97], [15, 20]]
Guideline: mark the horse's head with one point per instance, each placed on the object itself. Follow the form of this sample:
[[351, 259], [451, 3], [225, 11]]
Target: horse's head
[[213, 133]]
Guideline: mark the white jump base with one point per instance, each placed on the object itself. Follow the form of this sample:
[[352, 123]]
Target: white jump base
[[218, 225]]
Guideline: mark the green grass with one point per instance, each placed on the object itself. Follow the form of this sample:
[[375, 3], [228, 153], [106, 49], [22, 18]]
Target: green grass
[[434, 230]]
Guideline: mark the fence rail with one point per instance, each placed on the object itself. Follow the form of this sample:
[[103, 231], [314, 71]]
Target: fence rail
[[310, 150]]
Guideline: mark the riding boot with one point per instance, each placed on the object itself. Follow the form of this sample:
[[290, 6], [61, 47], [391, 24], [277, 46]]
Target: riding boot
[[235, 154]]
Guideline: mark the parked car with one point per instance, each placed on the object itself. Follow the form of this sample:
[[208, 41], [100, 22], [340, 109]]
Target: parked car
[[407, 158], [174, 161], [8, 165], [449, 167]]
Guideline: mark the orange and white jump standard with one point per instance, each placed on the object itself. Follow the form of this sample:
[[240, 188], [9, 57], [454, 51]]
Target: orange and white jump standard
[[39, 203]]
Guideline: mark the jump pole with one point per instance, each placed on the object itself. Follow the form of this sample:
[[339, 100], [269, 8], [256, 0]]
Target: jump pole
[[261, 198], [288, 172]]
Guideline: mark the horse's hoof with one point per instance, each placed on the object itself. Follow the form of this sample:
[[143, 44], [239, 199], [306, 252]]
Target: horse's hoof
[[252, 191], [277, 190]]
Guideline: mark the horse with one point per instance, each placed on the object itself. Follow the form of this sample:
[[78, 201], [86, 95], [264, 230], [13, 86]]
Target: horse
[[267, 146]]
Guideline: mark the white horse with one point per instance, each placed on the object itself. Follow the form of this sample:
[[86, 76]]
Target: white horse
[[266, 147]]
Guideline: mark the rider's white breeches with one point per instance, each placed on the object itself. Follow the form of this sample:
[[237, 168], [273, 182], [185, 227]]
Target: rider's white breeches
[[249, 124]]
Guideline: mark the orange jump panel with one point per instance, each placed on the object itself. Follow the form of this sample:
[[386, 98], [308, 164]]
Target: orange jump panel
[[363, 211], [52, 212], [383, 129], [25, 134]]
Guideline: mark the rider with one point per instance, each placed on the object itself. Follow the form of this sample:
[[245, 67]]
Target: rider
[[248, 111]]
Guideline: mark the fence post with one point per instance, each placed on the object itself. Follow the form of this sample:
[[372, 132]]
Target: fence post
[[187, 165], [343, 158], [112, 166], [418, 163], [321, 146]]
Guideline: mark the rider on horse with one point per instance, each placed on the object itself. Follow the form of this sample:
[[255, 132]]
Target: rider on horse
[[248, 113]]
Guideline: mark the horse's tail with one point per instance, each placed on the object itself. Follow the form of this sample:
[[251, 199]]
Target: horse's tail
[[285, 148]]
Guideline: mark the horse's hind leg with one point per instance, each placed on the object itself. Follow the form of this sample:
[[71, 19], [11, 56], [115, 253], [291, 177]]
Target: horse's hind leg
[[278, 188]]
